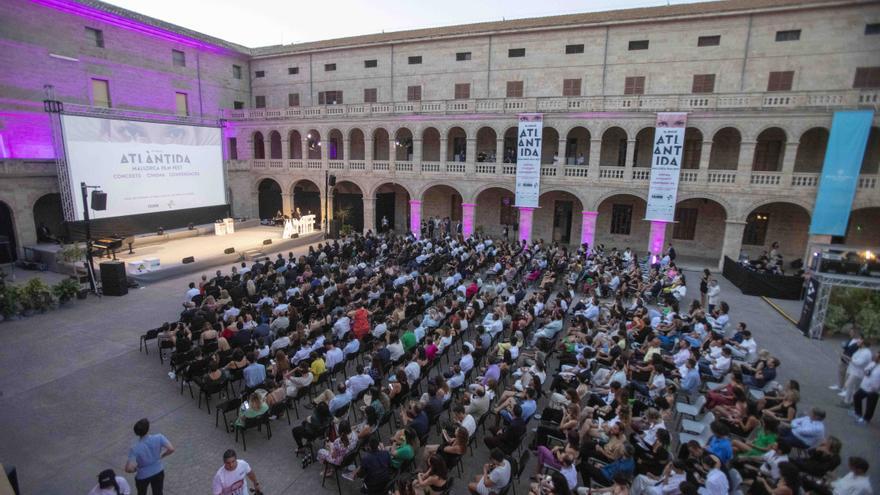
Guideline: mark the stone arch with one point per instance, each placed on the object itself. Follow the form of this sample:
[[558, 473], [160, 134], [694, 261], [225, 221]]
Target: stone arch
[[726, 144], [403, 144], [313, 145], [729, 209], [356, 144], [333, 145], [619, 192], [549, 145], [348, 196], [803, 203], [693, 148], [392, 203], [8, 229], [456, 144], [269, 200], [494, 209], [275, 145], [306, 195], [509, 137], [486, 144], [811, 150], [614, 147], [259, 146], [644, 147], [871, 160], [577, 145], [558, 217], [47, 210], [769, 150], [700, 222], [294, 145], [619, 222], [441, 199], [786, 221], [381, 144], [379, 185], [430, 144]]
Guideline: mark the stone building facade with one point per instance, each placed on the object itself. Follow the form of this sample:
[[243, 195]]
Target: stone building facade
[[422, 123]]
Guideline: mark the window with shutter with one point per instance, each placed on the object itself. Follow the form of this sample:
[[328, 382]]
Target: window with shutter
[[462, 91], [780, 81], [514, 89], [703, 83], [571, 87], [634, 85]]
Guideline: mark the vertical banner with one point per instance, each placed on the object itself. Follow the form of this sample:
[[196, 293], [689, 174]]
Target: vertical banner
[[810, 296], [665, 165], [528, 159], [840, 171]]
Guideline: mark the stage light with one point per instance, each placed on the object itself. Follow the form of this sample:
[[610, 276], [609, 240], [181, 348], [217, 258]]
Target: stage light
[[870, 256], [309, 136]]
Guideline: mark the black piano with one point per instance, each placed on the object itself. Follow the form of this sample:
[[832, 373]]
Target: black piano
[[107, 246]]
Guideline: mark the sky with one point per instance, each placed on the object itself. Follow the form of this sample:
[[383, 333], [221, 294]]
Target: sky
[[254, 23]]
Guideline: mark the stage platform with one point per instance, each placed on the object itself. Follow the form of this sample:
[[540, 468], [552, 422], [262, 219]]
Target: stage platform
[[208, 251]]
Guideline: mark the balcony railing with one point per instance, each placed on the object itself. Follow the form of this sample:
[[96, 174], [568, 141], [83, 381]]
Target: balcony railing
[[638, 103]]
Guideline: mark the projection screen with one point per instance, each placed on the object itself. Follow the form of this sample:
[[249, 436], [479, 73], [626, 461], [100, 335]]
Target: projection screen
[[144, 167]]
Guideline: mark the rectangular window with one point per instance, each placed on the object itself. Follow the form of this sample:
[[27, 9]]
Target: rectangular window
[[369, 64], [232, 146], [638, 45], [571, 87], [713, 40], [95, 36], [101, 93], [780, 81], [370, 95], [260, 73], [181, 104], [416, 60], [292, 71], [870, 29], [413, 93], [293, 99], [259, 101], [516, 52], [462, 56], [329, 67], [703, 83], [621, 219], [514, 89], [685, 224], [789, 35], [330, 98], [756, 229], [238, 105], [178, 58], [867, 77], [634, 85], [572, 49], [236, 71], [462, 91]]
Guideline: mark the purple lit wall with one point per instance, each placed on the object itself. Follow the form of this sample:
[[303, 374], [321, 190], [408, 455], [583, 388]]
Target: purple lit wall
[[467, 219], [26, 135], [588, 227], [525, 223], [657, 237], [415, 217]]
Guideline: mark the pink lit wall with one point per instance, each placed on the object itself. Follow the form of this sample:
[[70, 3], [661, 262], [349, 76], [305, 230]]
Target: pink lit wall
[[588, 227], [657, 237], [525, 223], [467, 219], [415, 218]]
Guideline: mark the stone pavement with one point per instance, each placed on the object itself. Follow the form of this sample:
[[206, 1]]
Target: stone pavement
[[73, 383]]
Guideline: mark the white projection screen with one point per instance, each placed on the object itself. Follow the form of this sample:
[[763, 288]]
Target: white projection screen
[[144, 167]]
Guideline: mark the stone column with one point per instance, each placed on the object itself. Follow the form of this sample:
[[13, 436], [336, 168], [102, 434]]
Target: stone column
[[392, 154], [369, 214], [705, 154], [285, 149], [346, 151], [746, 156], [443, 144], [788, 158], [325, 153], [499, 150], [287, 202], [415, 218], [593, 158], [732, 245], [812, 241], [304, 151], [368, 153], [563, 143], [657, 238], [588, 227], [630, 159], [417, 155], [467, 219], [525, 223], [470, 157]]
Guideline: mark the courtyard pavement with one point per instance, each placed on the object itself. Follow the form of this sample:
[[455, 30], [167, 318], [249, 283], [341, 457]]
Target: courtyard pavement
[[72, 384]]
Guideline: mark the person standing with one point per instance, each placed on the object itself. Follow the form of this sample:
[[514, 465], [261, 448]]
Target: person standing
[[704, 287], [856, 371], [145, 458], [849, 348], [869, 389], [233, 475], [713, 294]]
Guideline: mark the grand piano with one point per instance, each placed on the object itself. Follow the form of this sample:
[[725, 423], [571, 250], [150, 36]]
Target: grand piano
[[107, 246]]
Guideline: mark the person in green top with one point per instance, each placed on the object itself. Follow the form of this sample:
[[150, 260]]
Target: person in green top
[[401, 449], [408, 339], [255, 407], [765, 437]]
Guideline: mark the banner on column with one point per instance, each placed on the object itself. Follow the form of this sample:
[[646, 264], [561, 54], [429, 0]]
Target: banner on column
[[840, 171], [528, 159], [665, 165], [810, 296]]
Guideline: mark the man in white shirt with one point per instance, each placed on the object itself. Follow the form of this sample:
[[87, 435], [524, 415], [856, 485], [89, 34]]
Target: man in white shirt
[[668, 484], [716, 481], [341, 327], [332, 355], [745, 350], [191, 293], [856, 482], [232, 478], [395, 348], [466, 363], [855, 371], [379, 330], [413, 370], [868, 389], [804, 432], [359, 382]]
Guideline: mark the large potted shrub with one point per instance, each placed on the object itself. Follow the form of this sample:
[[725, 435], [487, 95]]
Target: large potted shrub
[[10, 301], [66, 290], [36, 296]]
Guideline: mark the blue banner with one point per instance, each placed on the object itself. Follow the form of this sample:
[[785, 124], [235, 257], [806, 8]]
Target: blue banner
[[840, 172]]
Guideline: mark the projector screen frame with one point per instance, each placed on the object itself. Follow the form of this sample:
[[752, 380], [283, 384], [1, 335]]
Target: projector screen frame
[[69, 190]]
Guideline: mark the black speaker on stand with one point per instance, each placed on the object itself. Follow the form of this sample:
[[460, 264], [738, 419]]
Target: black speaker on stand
[[114, 281], [99, 200]]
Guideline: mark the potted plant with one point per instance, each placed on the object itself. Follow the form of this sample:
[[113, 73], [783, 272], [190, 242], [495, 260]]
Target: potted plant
[[72, 255], [66, 290], [10, 298], [36, 296]]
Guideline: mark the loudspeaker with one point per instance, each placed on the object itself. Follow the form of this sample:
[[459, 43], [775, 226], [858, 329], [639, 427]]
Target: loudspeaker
[[294, 235], [114, 282], [188, 259], [229, 250], [267, 242], [331, 181], [99, 200]]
